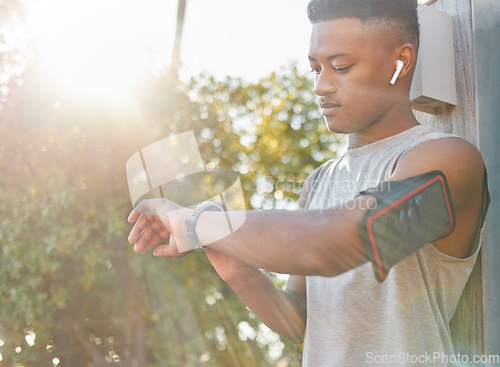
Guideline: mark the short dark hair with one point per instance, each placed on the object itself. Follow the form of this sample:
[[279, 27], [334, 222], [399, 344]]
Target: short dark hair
[[402, 13]]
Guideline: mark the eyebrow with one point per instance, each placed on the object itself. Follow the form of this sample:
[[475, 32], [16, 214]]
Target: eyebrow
[[329, 58]]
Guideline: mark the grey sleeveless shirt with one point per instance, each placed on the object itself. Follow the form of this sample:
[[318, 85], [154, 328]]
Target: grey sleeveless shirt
[[352, 319]]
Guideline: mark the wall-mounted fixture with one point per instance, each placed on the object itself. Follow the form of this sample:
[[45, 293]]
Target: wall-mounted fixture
[[434, 80]]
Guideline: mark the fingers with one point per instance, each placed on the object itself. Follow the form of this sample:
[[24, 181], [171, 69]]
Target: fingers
[[152, 226], [145, 229], [145, 206], [133, 216], [141, 224], [150, 239], [169, 250]]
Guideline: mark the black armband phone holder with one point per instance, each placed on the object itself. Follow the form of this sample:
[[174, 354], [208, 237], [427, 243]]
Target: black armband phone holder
[[408, 214]]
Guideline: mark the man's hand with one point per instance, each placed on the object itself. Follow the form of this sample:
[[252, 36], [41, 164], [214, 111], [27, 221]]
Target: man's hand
[[157, 220]]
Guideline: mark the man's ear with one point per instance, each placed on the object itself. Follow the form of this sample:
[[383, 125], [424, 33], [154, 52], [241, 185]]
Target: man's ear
[[407, 54]]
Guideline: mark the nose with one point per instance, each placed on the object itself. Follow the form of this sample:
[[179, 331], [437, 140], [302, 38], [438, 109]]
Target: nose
[[324, 83]]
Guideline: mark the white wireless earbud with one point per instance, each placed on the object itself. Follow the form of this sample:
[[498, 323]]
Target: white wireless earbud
[[399, 67]]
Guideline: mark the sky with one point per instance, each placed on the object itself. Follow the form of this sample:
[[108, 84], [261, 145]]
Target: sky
[[245, 38], [100, 47]]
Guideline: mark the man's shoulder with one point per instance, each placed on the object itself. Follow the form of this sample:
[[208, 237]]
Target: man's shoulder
[[458, 159], [448, 154], [463, 167]]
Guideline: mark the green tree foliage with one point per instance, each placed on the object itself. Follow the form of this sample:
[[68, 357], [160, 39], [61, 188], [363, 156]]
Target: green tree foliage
[[271, 132], [71, 287]]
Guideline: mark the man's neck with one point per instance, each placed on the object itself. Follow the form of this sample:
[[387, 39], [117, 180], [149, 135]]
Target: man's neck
[[392, 124]]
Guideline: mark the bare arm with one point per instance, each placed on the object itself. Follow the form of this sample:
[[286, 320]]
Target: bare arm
[[281, 310], [291, 242], [463, 167], [284, 311], [327, 242]]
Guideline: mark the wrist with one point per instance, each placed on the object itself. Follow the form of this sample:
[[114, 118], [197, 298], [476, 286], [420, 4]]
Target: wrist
[[191, 222], [178, 223]]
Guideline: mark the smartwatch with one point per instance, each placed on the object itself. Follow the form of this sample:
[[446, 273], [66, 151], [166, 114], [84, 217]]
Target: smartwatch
[[191, 221]]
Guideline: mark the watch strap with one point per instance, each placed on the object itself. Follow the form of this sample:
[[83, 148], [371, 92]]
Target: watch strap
[[193, 219]]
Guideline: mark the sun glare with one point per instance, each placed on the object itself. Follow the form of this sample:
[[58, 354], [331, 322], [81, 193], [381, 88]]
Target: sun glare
[[99, 48]]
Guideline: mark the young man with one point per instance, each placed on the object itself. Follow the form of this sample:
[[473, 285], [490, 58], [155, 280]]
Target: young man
[[333, 303]]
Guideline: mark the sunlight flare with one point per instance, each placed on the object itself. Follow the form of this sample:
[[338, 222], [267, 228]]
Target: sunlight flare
[[100, 49]]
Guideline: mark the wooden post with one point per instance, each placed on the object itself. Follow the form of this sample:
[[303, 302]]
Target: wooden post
[[462, 120], [486, 25]]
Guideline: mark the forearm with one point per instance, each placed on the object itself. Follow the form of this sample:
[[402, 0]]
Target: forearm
[[300, 242], [281, 310]]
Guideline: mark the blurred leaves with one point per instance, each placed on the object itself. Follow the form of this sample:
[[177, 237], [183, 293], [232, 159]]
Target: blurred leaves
[[13, 45], [68, 275]]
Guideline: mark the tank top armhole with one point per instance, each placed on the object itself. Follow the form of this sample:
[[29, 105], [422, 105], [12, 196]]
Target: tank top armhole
[[477, 239], [315, 180]]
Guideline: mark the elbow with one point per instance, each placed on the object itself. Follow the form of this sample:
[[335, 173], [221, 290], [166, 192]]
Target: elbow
[[297, 339], [295, 334]]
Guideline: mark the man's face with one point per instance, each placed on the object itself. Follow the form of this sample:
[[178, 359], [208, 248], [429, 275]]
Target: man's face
[[353, 64]]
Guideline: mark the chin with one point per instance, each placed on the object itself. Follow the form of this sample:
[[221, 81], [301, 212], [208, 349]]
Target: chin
[[336, 127]]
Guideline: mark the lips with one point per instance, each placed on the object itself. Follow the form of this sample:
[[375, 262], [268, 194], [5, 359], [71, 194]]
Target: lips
[[329, 104], [329, 107]]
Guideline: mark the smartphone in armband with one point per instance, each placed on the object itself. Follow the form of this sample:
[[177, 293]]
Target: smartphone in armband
[[408, 214]]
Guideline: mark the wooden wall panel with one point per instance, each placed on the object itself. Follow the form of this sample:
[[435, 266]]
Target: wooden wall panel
[[486, 25], [466, 326]]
